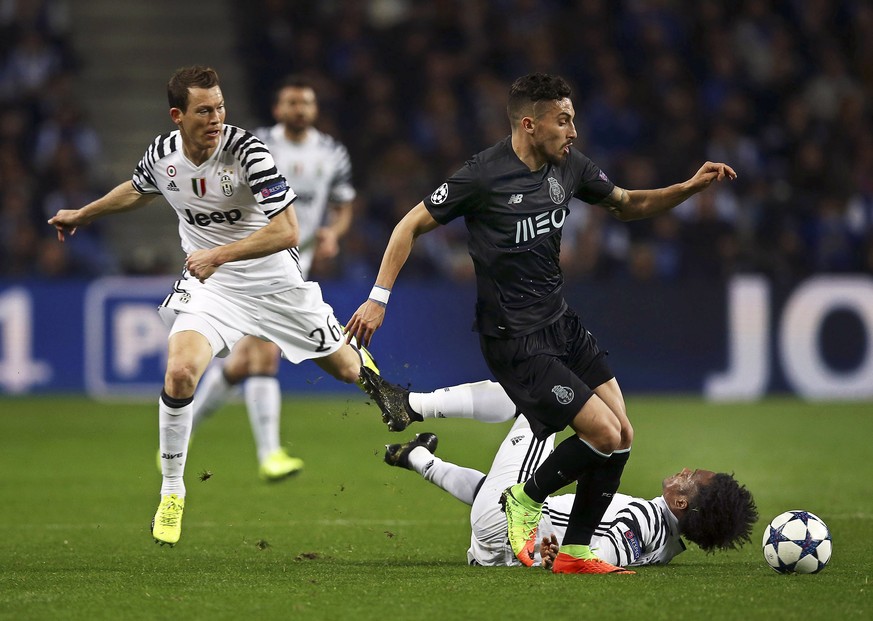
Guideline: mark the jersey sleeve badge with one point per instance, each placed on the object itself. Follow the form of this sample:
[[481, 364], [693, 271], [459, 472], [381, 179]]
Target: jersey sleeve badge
[[440, 195]]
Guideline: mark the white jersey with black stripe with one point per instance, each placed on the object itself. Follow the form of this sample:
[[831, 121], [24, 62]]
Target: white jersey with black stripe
[[633, 531], [228, 197], [320, 171]]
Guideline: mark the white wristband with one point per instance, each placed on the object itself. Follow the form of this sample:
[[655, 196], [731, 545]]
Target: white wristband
[[380, 295]]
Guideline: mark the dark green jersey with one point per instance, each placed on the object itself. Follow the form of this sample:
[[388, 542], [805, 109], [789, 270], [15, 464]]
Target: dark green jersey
[[514, 218]]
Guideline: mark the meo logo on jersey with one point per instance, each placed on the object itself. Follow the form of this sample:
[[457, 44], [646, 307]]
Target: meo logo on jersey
[[440, 194], [540, 224]]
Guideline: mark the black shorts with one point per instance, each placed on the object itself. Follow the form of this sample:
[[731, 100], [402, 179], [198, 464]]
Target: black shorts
[[549, 374]]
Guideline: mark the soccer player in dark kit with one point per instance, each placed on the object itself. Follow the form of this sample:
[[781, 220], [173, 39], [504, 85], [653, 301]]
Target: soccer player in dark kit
[[514, 198]]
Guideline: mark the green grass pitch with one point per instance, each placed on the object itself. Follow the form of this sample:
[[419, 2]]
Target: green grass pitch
[[351, 538]]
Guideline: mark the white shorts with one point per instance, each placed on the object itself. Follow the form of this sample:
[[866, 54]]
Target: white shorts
[[517, 458], [298, 320]]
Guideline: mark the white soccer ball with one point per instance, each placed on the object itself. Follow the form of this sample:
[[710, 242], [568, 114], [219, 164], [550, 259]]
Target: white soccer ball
[[797, 542]]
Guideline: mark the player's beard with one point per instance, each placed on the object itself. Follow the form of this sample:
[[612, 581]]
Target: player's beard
[[297, 125], [557, 159]]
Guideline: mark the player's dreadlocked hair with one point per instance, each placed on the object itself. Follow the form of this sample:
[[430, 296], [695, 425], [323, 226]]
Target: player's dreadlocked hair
[[720, 515], [195, 76], [534, 87]]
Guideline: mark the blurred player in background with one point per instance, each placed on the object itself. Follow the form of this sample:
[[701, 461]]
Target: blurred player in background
[[319, 170], [514, 197], [710, 509], [239, 231]]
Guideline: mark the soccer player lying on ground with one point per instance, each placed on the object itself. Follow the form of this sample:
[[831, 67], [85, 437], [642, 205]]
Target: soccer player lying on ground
[[710, 509]]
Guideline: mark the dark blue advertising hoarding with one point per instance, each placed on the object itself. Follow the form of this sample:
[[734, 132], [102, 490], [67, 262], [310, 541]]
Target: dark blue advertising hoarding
[[734, 341]]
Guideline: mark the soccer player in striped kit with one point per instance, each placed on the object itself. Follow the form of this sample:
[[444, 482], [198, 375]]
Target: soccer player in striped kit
[[710, 509], [242, 275], [319, 169]]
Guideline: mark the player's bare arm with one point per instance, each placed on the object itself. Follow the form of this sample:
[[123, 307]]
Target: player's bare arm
[[123, 197], [638, 204], [371, 313], [327, 237], [281, 233]]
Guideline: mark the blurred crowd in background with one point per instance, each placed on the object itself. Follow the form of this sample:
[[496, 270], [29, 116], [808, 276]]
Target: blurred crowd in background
[[47, 148], [780, 90]]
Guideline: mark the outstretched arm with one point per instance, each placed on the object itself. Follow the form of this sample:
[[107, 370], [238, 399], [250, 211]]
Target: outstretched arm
[[371, 313], [122, 197], [638, 204]]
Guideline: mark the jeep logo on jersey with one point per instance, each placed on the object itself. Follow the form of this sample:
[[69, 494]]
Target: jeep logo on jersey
[[539, 224], [226, 185], [556, 192], [213, 217], [199, 186], [440, 194], [563, 394]]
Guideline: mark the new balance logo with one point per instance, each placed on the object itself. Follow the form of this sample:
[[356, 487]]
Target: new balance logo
[[515, 199], [172, 187]]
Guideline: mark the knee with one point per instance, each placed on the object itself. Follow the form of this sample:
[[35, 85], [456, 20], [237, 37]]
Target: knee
[[605, 437], [627, 436], [180, 380], [269, 366], [612, 439], [235, 370]]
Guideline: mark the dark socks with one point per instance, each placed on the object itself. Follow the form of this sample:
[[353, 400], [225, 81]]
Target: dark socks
[[594, 492], [568, 461]]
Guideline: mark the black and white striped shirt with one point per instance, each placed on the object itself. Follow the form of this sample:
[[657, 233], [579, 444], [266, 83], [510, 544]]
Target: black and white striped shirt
[[633, 531], [228, 197]]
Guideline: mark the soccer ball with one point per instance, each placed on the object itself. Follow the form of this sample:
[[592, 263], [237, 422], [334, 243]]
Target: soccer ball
[[797, 542]]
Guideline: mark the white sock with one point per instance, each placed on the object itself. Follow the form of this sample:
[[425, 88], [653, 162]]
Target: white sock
[[483, 401], [460, 482], [213, 391], [263, 397], [174, 431]]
